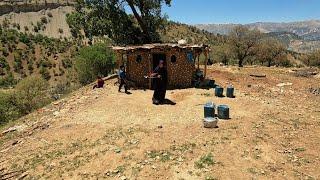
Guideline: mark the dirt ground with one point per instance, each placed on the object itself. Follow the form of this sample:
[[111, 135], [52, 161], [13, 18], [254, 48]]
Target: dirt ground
[[273, 133]]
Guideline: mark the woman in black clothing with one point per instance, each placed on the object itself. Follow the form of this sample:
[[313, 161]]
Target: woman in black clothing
[[160, 83]]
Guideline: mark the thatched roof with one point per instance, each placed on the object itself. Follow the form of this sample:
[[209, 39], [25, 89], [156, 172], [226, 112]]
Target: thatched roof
[[158, 46]]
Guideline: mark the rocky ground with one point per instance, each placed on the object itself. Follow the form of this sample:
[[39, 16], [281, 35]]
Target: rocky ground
[[101, 134]]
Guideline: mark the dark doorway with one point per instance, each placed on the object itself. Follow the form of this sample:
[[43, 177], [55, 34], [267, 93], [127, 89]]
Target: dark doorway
[[155, 62], [157, 58]]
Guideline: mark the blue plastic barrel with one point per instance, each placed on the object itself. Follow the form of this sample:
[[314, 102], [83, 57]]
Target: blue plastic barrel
[[211, 83], [230, 91], [223, 112], [209, 109], [218, 91]]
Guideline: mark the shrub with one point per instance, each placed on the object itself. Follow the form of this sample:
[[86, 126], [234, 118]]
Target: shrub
[[93, 61], [5, 52], [35, 29], [4, 64], [67, 63], [60, 30], [45, 73], [8, 110], [44, 20], [204, 161], [49, 14], [31, 93], [7, 80], [26, 28]]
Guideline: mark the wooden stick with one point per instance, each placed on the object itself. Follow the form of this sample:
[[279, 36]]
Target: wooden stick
[[256, 75], [206, 62]]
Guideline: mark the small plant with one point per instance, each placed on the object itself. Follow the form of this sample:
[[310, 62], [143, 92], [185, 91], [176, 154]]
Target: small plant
[[49, 14], [45, 73], [35, 29], [67, 63], [44, 20], [204, 161], [26, 28], [60, 30]]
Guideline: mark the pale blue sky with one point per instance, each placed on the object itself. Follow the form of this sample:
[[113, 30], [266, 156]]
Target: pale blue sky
[[242, 11]]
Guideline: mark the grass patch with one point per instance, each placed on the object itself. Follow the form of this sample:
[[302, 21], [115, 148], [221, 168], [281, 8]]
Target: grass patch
[[205, 161]]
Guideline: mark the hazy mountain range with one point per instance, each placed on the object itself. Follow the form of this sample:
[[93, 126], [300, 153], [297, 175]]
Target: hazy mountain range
[[301, 36], [308, 30]]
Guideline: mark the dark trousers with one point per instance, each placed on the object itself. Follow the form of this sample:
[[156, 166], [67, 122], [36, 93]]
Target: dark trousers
[[123, 83]]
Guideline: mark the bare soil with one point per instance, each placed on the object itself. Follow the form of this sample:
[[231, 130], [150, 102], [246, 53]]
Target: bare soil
[[273, 133]]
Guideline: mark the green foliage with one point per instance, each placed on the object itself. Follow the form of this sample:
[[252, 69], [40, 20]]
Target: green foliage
[[270, 51], [45, 73], [243, 43], [67, 63], [31, 93], [100, 18], [204, 161], [8, 110], [8, 80], [4, 64], [93, 61], [313, 59]]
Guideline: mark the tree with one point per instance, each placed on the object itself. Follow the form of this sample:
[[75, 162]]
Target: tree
[[109, 17], [93, 61], [31, 93], [270, 50], [314, 58], [243, 42], [223, 53]]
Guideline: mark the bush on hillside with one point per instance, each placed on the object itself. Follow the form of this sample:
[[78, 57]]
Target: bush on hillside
[[93, 61], [31, 93], [8, 80], [45, 73], [8, 110]]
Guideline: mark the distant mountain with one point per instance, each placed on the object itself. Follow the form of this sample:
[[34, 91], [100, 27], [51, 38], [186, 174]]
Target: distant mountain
[[303, 36], [308, 30]]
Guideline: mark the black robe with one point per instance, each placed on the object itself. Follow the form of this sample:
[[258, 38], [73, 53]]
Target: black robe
[[160, 85]]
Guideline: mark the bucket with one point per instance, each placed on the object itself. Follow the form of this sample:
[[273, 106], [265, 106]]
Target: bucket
[[209, 109], [230, 92], [218, 91], [223, 112], [210, 122]]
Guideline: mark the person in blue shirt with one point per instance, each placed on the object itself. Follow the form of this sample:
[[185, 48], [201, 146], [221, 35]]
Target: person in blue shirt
[[123, 78]]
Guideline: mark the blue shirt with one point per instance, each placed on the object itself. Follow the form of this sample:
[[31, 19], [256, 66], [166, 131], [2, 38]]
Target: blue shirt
[[122, 74]]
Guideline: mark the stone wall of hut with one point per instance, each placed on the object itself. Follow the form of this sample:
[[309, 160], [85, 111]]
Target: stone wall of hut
[[179, 72]]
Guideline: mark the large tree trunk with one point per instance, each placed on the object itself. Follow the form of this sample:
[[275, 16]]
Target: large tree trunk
[[241, 62], [140, 21]]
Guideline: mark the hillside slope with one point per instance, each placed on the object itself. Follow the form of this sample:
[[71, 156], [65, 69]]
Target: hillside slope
[[103, 134]]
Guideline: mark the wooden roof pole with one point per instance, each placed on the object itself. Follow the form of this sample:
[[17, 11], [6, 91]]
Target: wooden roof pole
[[206, 62], [198, 61], [150, 70]]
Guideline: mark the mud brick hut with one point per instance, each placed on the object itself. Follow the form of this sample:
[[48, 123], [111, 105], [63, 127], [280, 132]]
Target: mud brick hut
[[180, 60]]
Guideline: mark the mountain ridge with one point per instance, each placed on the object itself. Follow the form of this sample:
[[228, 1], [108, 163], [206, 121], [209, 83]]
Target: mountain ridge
[[309, 29]]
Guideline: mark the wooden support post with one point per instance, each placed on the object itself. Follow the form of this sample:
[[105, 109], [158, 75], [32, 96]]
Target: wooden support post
[[150, 69], [206, 62], [198, 61]]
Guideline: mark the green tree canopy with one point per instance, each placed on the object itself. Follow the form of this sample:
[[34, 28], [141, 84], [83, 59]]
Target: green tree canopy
[[110, 17], [243, 42], [93, 61]]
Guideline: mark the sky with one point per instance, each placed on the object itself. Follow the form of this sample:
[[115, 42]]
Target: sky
[[242, 11]]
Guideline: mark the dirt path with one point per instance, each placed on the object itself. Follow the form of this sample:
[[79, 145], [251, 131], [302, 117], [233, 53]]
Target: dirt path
[[273, 133]]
